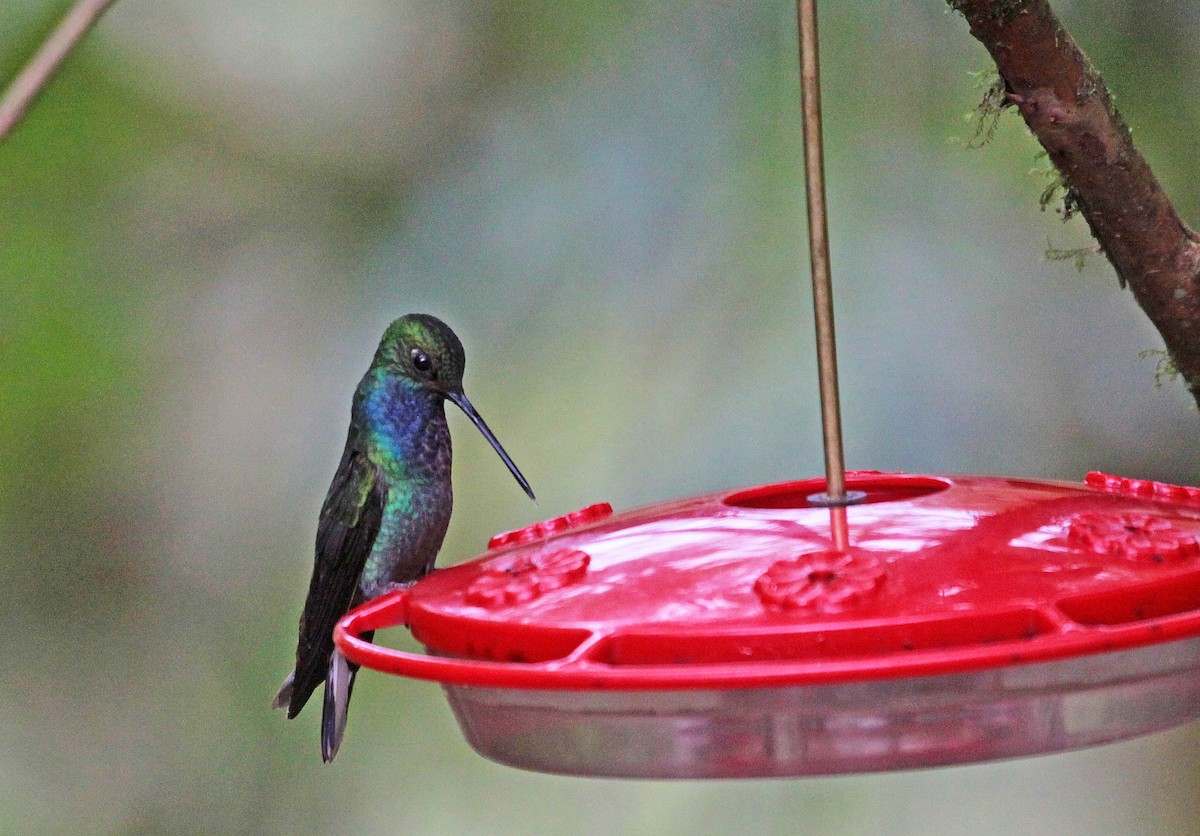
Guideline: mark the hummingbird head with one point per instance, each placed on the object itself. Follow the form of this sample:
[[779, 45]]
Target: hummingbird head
[[422, 350]]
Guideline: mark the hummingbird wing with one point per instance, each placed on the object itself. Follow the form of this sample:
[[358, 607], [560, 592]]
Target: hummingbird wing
[[349, 522]]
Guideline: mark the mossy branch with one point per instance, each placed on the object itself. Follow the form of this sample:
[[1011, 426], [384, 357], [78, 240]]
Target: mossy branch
[[1104, 178]]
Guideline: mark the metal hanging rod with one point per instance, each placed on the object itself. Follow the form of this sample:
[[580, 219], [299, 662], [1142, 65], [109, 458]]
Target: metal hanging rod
[[818, 247]]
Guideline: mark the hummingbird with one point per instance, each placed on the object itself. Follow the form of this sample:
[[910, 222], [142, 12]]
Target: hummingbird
[[388, 507]]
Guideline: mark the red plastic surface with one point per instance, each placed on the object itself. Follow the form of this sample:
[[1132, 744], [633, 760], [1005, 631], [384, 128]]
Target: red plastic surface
[[736, 590], [539, 531]]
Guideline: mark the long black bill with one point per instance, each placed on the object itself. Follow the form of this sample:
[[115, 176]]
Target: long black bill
[[460, 400]]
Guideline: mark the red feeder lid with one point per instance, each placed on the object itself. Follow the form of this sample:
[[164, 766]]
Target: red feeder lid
[[945, 579]]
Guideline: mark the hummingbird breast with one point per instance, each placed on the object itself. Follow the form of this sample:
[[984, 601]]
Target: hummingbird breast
[[409, 440]]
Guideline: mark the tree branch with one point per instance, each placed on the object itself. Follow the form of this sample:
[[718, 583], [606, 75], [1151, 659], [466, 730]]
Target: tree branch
[[1067, 107], [41, 67]]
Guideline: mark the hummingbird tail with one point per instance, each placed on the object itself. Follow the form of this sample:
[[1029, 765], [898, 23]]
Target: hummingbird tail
[[284, 697], [338, 683]]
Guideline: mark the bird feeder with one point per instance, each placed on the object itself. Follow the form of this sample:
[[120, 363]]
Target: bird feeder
[[861, 622], [725, 636]]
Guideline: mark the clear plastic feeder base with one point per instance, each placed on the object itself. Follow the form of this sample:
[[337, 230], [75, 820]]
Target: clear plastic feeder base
[[883, 725]]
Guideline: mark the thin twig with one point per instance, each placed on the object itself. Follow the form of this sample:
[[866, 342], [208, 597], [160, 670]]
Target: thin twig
[[41, 67]]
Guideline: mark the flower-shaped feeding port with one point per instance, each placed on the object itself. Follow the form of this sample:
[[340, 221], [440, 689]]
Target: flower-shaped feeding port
[[521, 578], [827, 581], [1139, 537]]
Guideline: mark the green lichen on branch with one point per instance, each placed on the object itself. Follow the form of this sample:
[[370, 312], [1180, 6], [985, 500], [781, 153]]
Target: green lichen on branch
[[1001, 10], [1077, 255], [1056, 187], [1165, 370], [1092, 84], [986, 115]]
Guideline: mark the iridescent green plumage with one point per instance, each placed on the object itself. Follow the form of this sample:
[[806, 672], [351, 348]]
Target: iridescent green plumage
[[389, 505]]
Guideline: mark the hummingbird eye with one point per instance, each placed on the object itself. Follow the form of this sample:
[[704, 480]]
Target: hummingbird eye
[[421, 361]]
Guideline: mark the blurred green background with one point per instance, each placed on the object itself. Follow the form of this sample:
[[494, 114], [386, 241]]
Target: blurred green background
[[214, 210]]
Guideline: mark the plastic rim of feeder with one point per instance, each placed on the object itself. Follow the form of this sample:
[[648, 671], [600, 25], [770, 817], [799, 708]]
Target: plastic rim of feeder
[[971, 618]]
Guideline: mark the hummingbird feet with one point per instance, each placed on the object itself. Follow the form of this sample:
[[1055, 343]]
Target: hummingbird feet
[[396, 586]]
